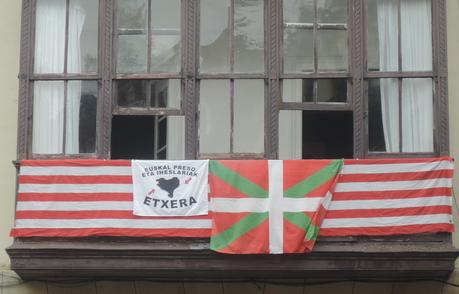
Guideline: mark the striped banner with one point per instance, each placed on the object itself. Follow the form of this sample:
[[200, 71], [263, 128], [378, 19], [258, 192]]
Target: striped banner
[[76, 198]]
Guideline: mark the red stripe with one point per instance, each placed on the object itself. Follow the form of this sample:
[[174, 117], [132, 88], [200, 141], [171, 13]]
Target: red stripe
[[397, 160], [75, 179], [385, 177], [398, 194], [426, 210], [74, 197], [93, 214], [192, 233], [385, 231], [76, 162]]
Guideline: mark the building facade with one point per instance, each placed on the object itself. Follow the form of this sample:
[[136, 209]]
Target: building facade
[[243, 68]]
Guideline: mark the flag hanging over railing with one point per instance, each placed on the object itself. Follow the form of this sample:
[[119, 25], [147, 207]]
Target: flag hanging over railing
[[76, 198], [270, 206]]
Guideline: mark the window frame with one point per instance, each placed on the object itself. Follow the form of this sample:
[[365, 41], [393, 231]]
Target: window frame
[[273, 75]]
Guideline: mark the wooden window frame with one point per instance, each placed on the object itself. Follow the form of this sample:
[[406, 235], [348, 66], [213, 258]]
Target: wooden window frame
[[273, 76]]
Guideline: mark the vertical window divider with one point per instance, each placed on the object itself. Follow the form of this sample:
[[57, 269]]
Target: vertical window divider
[[149, 38], [231, 116], [66, 46], [400, 116]]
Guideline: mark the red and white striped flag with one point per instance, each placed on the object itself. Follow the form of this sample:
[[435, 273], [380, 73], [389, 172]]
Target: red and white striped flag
[[76, 198]]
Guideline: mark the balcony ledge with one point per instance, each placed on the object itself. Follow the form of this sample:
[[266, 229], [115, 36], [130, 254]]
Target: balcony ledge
[[109, 258]]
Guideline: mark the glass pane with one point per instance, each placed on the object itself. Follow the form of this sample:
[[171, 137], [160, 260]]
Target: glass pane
[[382, 35], [290, 134], [83, 36], [80, 133], [332, 50], [48, 117], [214, 123], [165, 18], [50, 25], [383, 115], [132, 93], [298, 11], [298, 90], [132, 14], [298, 50], [416, 35], [248, 36], [214, 37], [132, 54], [176, 137], [417, 115], [332, 90], [332, 11], [165, 93], [249, 101]]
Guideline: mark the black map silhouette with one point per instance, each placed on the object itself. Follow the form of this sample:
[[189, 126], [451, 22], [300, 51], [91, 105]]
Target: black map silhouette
[[168, 185]]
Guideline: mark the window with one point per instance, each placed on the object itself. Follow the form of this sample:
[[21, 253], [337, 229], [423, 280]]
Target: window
[[400, 76], [65, 88], [233, 79]]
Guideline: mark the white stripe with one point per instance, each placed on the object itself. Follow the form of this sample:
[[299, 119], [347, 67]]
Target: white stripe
[[75, 188], [276, 215], [236, 205], [390, 203], [113, 223], [393, 185], [300, 204], [75, 170], [396, 168], [337, 223], [74, 206]]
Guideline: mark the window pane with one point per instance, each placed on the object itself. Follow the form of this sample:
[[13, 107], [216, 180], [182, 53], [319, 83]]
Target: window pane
[[290, 134], [417, 115], [298, 90], [382, 35], [332, 11], [132, 54], [298, 50], [332, 50], [248, 135], [132, 14], [50, 36], [165, 18], [214, 123], [165, 93], [81, 117], [332, 90], [83, 36], [298, 11], [48, 117], [248, 36], [176, 137], [131, 93], [383, 109], [214, 42], [416, 35]]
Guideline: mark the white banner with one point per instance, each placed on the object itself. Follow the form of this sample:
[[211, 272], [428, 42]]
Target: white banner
[[170, 187]]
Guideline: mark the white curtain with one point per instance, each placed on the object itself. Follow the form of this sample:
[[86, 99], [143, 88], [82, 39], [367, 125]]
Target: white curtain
[[49, 58], [388, 61], [416, 34], [76, 21], [417, 102]]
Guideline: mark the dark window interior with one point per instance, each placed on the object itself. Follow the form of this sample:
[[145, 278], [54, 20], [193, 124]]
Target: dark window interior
[[327, 134], [133, 137]]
